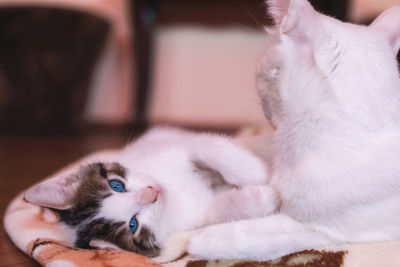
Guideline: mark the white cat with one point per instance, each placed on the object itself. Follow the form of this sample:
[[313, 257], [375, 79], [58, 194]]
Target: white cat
[[332, 90], [168, 181]]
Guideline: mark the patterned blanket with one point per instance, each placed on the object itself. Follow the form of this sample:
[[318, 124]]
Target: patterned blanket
[[37, 232]]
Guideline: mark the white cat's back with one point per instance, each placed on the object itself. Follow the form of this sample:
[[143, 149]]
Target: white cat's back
[[349, 189]]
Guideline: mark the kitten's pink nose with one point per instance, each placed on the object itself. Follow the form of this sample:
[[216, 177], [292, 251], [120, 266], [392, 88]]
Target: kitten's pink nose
[[148, 195]]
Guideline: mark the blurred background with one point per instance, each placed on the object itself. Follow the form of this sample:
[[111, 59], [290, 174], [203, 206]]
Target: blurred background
[[82, 75], [66, 65]]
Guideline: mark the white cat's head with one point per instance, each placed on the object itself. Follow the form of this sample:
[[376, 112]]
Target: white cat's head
[[161, 184], [315, 62]]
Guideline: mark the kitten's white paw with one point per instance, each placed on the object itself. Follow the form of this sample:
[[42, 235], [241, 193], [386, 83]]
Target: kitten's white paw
[[247, 170], [211, 244], [251, 201], [255, 200], [174, 247], [60, 263]]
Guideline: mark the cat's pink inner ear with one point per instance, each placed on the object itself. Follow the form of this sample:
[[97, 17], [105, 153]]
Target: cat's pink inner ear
[[299, 17], [57, 192], [277, 9], [388, 25], [289, 13]]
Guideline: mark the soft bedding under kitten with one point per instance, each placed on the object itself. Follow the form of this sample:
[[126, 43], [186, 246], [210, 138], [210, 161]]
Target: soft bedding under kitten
[[166, 182]]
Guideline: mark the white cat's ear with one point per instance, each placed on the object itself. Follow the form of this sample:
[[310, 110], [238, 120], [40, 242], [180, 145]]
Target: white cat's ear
[[388, 25], [234, 164], [277, 9], [292, 15], [57, 192]]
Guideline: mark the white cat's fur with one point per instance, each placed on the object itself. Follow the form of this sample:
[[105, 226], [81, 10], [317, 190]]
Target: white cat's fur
[[332, 90], [164, 188]]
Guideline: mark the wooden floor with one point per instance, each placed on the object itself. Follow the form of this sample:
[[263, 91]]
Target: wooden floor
[[25, 160]]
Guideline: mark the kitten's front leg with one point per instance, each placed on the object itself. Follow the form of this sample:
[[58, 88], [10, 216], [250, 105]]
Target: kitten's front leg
[[233, 163], [260, 239], [246, 202]]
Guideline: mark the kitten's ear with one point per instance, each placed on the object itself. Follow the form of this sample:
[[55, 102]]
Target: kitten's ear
[[223, 157], [57, 192], [292, 14], [388, 25]]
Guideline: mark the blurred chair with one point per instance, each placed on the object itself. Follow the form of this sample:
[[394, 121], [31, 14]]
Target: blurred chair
[[53, 54]]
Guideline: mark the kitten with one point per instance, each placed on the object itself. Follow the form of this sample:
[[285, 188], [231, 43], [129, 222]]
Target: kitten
[[168, 181], [332, 91]]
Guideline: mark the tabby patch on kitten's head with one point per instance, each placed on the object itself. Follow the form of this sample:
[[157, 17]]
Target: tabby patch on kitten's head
[[84, 212], [92, 190]]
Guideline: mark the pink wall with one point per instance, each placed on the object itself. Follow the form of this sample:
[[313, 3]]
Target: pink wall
[[362, 9]]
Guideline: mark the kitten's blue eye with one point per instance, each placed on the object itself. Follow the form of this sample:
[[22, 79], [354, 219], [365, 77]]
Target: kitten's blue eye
[[117, 186], [133, 225]]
